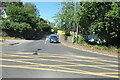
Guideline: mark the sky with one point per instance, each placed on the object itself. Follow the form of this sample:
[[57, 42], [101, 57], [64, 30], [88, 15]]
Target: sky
[[47, 9]]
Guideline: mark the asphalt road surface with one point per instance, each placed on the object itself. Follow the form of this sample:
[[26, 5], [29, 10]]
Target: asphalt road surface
[[55, 60]]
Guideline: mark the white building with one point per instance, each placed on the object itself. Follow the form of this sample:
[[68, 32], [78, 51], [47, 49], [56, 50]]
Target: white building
[[2, 12]]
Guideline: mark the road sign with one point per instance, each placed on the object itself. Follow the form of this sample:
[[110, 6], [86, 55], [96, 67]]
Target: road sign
[[78, 26]]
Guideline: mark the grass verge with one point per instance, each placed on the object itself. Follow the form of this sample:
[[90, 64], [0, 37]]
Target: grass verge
[[98, 47]]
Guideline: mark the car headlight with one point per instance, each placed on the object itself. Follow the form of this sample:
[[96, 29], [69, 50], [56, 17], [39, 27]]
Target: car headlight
[[52, 39]]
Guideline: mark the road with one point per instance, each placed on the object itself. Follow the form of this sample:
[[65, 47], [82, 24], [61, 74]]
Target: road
[[55, 60]]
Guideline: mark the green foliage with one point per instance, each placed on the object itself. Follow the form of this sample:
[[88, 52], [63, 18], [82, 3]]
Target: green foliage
[[16, 29], [55, 29], [0, 14], [7, 4], [118, 50], [65, 19], [112, 49], [101, 47], [81, 40], [99, 17], [23, 21], [4, 34], [14, 25], [43, 26], [20, 14], [31, 8]]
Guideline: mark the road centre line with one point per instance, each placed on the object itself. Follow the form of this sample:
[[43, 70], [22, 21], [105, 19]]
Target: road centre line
[[72, 56], [43, 64], [10, 52], [81, 60], [71, 63], [80, 72], [82, 57], [78, 56], [71, 59], [75, 64]]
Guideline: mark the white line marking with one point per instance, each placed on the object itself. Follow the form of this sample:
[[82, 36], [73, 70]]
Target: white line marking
[[45, 41]]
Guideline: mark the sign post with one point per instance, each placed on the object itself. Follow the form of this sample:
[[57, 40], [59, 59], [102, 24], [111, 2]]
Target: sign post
[[77, 33], [78, 26]]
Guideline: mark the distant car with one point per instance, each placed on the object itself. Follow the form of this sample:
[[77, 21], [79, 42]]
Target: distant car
[[54, 39]]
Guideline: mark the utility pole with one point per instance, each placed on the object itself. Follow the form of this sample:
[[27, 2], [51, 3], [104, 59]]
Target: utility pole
[[74, 21], [77, 34]]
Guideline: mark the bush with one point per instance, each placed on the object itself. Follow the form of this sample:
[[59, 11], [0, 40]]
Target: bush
[[4, 34], [118, 50], [101, 47], [15, 29], [81, 40]]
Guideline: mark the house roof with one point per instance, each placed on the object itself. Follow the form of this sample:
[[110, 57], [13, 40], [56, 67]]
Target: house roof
[[2, 7]]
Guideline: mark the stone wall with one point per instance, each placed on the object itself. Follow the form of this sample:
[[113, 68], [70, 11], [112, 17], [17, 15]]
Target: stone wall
[[66, 38]]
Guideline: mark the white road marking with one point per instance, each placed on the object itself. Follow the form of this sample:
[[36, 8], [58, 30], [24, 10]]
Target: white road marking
[[45, 41]]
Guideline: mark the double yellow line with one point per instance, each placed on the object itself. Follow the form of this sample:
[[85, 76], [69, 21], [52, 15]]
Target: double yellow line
[[71, 63], [70, 70], [64, 60]]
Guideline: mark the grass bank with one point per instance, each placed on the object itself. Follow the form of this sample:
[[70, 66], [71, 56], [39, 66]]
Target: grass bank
[[81, 41]]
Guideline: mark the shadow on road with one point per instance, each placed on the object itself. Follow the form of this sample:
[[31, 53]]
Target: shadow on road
[[55, 42], [39, 36], [42, 36], [33, 51]]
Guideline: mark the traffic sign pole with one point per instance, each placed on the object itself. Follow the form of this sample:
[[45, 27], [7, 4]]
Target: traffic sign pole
[[77, 35]]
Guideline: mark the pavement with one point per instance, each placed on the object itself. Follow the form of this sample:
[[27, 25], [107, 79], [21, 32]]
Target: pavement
[[55, 60], [13, 42]]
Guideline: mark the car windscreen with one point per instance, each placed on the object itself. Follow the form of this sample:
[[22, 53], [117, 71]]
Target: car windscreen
[[53, 36]]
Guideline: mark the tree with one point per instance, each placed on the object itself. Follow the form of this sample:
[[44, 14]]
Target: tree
[[65, 18], [99, 17], [23, 21], [15, 29], [31, 8], [7, 4]]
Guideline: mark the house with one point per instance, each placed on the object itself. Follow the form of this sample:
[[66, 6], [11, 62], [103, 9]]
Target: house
[[2, 11]]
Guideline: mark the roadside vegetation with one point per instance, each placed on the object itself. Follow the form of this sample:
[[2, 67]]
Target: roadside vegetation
[[23, 21], [104, 48], [101, 18], [82, 42]]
